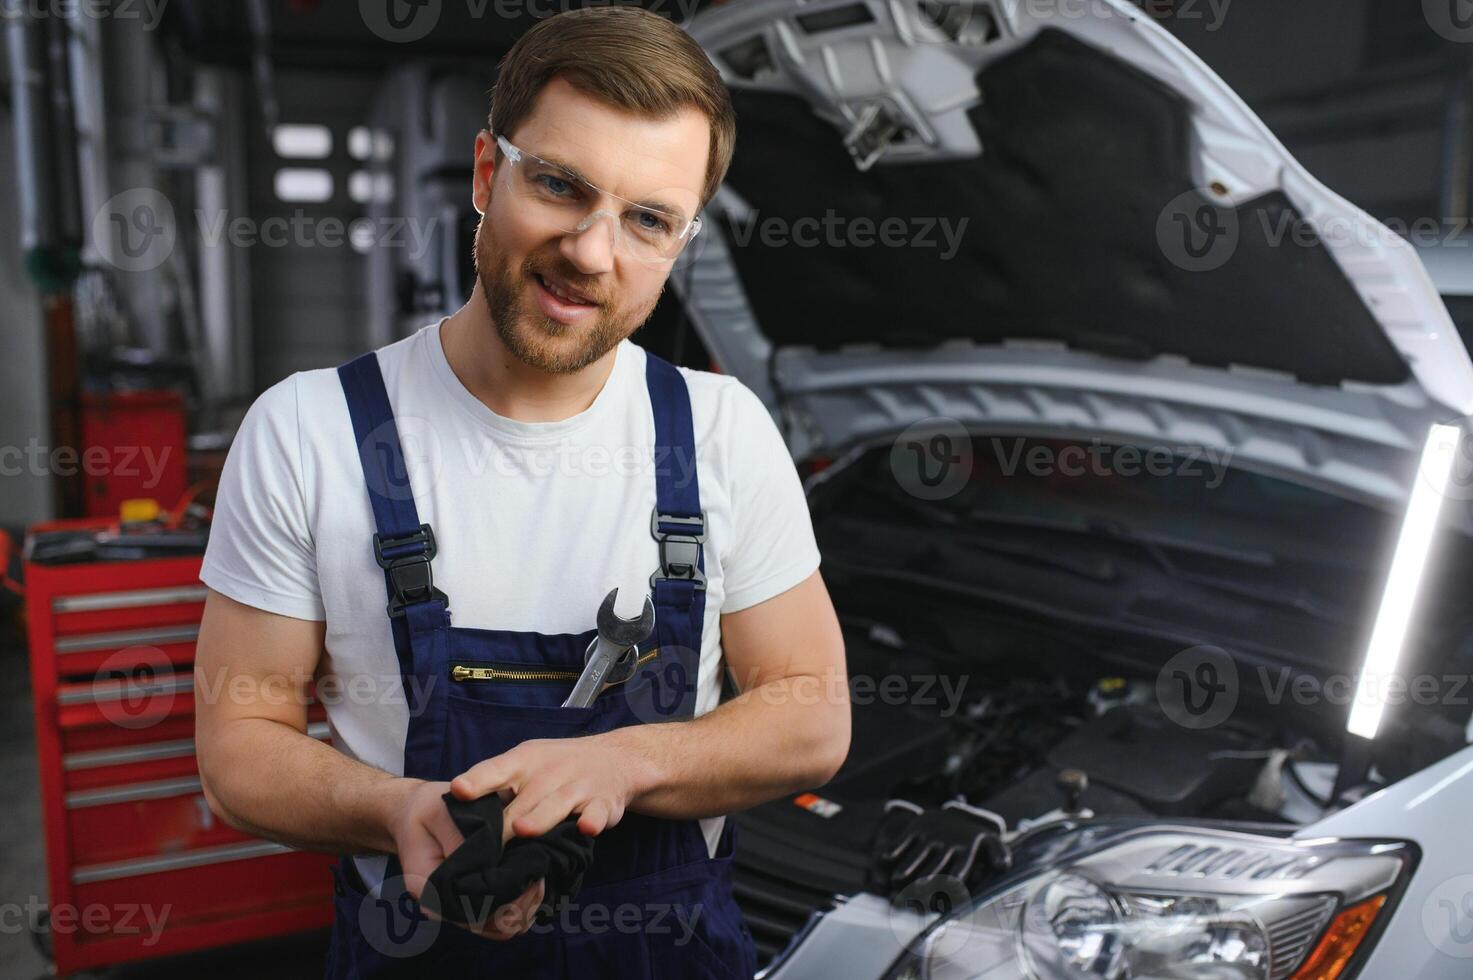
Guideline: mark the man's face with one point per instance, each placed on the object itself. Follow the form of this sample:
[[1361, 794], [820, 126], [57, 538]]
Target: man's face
[[518, 257]]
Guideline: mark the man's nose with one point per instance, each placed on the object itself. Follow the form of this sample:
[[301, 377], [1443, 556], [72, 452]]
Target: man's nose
[[590, 246]]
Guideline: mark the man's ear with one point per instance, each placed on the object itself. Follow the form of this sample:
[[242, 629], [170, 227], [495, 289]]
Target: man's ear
[[485, 171]]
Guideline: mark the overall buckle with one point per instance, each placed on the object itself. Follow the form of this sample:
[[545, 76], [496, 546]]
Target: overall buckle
[[680, 551], [409, 575]]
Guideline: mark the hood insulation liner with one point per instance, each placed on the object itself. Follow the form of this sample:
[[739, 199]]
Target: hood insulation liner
[[1081, 155]]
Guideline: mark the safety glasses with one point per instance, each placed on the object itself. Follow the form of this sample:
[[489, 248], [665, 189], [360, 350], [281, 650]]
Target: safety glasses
[[561, 200]]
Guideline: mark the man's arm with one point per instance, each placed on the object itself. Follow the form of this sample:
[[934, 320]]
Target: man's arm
[[260, 770], [264, 775], [788, 730]]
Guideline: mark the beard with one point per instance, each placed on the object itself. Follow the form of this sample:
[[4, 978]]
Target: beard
[[534, 338]]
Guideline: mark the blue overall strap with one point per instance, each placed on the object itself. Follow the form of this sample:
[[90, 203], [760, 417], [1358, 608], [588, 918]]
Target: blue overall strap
[[679, 526], [403, 546]]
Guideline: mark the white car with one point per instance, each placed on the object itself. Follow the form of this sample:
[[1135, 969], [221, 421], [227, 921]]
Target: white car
[[1110, 413]]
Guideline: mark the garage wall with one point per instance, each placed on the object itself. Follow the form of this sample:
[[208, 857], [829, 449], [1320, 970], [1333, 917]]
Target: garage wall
[[308, 301], [1356, 89]]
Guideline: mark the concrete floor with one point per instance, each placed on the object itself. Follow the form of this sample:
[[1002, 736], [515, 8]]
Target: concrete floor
[[23, 862]]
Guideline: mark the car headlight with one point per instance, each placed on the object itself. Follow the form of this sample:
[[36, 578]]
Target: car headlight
[[1172, 904]]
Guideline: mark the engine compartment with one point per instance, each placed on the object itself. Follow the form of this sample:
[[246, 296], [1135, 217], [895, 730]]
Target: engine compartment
[[1001, 741], [929, 731], [999, 639]]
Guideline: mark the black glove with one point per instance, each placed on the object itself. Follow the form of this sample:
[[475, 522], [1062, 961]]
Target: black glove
[[955, 840], [481, 875]]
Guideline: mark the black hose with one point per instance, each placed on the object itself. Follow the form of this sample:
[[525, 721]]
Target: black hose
[[1293, 771]]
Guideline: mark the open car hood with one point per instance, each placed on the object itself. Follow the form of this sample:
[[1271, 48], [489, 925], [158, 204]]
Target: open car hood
[[1141, 260]]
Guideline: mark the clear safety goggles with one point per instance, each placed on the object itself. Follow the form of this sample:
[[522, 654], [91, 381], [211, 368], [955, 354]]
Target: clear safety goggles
[[562, 200]]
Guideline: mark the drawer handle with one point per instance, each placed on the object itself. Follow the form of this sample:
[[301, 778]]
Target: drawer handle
[[117, 690], [127, 600], [127, 638], [173, 749], [173, 862], [161, 789]]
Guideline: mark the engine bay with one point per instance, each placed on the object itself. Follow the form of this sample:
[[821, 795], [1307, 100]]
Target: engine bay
[[1012, 744], [1006, 655]]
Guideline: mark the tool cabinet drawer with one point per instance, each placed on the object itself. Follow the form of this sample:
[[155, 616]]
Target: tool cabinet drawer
[[199, 899], [143, 819], [135, 704], [84, 621], [98, 757], [114, 651]]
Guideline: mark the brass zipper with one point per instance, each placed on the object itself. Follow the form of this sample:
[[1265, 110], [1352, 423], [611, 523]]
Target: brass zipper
[[463, 672]]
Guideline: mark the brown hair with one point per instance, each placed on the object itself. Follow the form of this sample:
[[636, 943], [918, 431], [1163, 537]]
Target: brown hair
[[626, 56]]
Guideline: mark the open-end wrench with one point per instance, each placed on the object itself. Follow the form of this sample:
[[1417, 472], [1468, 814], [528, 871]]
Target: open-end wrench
[[612, 655]]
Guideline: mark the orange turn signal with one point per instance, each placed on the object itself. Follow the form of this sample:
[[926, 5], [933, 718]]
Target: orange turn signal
[[1340, 941]]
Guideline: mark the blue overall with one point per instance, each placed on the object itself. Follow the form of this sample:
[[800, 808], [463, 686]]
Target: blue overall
[[654, 903]]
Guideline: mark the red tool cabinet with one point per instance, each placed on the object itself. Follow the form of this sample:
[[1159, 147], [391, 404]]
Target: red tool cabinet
[[143, 436], [126, 824]]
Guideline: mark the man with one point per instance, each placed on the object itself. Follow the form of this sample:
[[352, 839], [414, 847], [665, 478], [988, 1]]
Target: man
[[550, 460]]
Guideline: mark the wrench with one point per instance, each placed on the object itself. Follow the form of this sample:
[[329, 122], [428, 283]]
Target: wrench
[[612, 655]]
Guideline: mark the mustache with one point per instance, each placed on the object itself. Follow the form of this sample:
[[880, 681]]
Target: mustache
[[574, 281]]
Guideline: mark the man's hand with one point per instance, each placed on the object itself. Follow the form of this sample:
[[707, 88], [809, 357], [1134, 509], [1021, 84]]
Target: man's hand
[[549, 779], [788, 730], [424, 834]]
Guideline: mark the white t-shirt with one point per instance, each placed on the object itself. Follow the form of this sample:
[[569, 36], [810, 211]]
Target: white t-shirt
[[535, 521]]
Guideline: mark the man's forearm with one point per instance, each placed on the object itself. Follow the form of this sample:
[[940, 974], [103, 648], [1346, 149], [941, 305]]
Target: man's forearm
[[268, 779], [786, 735]]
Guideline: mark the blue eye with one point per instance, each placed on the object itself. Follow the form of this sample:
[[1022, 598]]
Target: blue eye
[[652, 222], [555, 185]]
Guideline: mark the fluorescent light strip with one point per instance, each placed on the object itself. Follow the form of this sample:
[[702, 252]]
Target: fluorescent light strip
[[1407, 565]]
